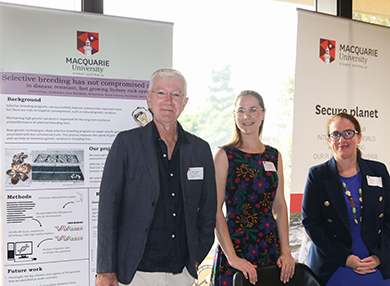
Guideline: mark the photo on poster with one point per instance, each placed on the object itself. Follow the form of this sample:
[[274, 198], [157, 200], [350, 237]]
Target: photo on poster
[[142, 116], [58, 166], [18, 167], [41, 166]]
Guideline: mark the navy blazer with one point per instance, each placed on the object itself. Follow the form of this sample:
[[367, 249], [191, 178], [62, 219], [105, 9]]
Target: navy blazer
[[128, 194], [325, 217]]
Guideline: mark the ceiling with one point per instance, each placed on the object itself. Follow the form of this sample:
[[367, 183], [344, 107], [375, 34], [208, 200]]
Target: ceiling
[[379, 8]]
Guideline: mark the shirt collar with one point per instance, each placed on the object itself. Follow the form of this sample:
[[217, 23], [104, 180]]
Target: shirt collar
[[182, 137]]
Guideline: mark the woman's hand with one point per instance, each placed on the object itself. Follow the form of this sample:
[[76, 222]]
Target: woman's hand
[[363, 266], [353, 261], [368, 265], [247, 268], [287, 264]]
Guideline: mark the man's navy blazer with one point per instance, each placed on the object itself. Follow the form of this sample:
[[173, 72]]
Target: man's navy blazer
[[325, 217], [128, 194]]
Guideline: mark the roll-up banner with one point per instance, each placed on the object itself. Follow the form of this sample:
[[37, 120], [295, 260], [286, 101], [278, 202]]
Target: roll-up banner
[[341, 65], [69, 83]]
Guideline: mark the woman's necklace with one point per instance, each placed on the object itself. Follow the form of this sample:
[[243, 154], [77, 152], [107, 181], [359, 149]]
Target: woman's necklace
[[352, 202]]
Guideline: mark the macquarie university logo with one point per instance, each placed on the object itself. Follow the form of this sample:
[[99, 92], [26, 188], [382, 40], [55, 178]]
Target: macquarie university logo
[[87, 43], [327, 50]]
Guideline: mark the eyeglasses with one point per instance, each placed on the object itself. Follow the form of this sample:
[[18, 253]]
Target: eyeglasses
[[252, 112], [163, 93], [347, 134]]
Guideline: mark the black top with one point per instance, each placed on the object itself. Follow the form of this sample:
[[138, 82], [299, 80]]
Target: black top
[[166, 247]]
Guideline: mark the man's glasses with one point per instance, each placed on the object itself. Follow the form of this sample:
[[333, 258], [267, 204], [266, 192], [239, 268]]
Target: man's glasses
[[163, 93], [252, 112], [347, 134]]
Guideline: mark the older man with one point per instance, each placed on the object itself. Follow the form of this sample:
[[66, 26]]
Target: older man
[[157, 197]]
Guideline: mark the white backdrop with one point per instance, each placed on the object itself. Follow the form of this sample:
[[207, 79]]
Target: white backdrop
[[352, 76]]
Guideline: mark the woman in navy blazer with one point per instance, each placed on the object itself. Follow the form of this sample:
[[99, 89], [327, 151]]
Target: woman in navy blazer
[[346, 212]]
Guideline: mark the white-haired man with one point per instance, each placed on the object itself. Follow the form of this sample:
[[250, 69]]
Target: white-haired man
[[157, 203]]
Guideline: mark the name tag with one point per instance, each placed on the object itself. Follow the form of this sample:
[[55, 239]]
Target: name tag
[[269, 166], [195, 173], [374, 181]]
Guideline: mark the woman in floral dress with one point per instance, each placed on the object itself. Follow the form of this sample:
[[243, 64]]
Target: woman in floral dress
[[249, 174]]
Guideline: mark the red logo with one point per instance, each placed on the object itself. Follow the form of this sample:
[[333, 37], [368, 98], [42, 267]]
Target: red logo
[[87, 43], [327, 50]]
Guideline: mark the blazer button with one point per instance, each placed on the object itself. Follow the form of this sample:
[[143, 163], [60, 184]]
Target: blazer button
[[379, 231], [380, 198], [330, 220], [327, 203], [381, 215]]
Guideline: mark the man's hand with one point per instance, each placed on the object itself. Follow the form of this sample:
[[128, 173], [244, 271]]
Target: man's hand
[[106, 279]]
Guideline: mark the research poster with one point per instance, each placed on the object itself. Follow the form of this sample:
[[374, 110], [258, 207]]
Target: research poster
[[66, 90], [341, 66]]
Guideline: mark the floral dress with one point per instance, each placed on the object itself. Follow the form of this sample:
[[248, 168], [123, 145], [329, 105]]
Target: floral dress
[[250, 191]]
